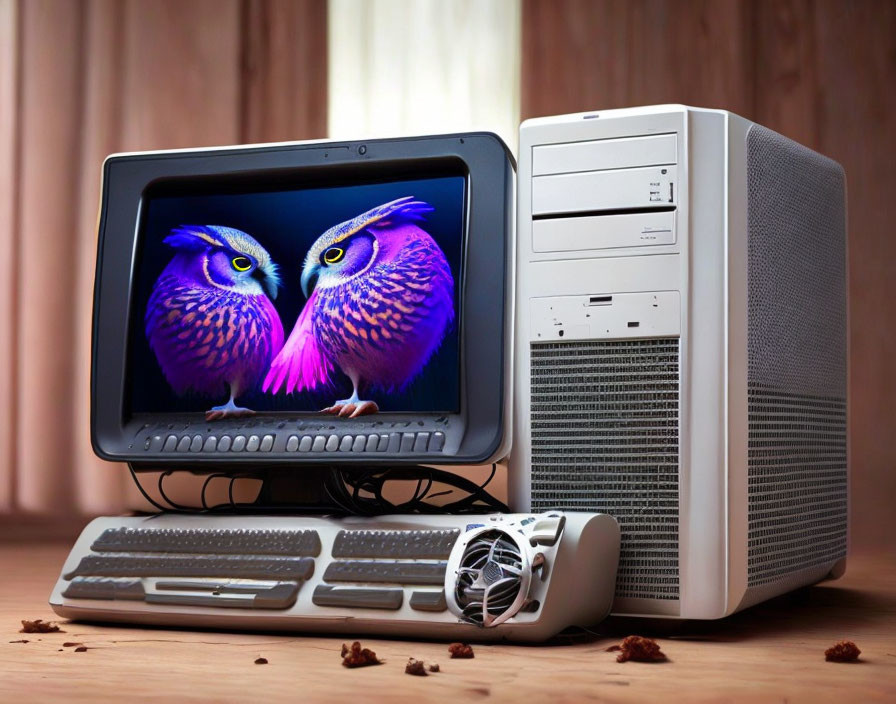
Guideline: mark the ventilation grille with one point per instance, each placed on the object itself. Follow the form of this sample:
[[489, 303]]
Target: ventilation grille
[[797, 483], [796, 345], [604, 430]]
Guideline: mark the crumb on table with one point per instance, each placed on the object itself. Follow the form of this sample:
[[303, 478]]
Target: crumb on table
[[843, 651], [639, 649], [356, 656], [415, 667], [460, 650], [38, 625]]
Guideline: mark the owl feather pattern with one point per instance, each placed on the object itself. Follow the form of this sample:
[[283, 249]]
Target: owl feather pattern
[[380, 301], [210, 321]]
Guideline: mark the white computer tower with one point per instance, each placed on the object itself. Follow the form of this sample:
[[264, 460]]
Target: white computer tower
[[681, 351]]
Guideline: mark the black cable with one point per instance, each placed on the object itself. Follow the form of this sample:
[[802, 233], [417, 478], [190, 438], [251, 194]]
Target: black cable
[[358, 492], [204, 490], [173, 504], [373, 482], [146, 496]]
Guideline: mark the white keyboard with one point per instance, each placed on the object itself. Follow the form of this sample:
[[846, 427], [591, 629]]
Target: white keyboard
[[521, 577]]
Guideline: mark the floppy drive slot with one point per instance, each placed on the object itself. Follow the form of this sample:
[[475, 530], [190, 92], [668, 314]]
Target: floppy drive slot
[[589, 192], [603, 231], [603, 154]]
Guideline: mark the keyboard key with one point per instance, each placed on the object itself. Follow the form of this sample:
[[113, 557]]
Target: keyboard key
[[389, 599], [229, 566], [388, 572], [437, 442], [396, 544], [205, 541], [429, 601], [420, 443], [105, 589]]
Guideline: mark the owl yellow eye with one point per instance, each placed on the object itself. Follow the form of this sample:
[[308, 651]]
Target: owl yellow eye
[[333, 255], [241, 263]]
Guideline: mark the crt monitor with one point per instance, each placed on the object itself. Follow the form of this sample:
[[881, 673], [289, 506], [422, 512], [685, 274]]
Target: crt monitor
[[321, 303]]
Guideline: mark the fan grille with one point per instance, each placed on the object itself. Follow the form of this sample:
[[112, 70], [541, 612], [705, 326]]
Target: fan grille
[[489, 577]]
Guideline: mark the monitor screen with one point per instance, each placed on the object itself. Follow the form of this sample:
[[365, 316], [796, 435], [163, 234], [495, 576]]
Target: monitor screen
[[296, 299]]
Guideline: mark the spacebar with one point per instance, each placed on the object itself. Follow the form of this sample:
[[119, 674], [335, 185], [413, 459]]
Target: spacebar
[[281, 597]]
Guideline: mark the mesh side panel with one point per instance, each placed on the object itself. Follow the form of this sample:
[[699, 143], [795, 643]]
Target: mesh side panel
[[796, 345], [604, 416]]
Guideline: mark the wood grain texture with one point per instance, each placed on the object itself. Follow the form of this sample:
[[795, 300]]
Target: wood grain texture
[[773, 652], [818, 71], [583, 55], [856, 117]]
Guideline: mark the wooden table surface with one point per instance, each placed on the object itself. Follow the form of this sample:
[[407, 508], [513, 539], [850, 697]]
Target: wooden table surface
[[773, 652]]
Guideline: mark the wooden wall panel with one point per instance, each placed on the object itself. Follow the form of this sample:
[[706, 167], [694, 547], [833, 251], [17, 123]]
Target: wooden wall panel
[[818, 71], [855, 62], [581, 55]]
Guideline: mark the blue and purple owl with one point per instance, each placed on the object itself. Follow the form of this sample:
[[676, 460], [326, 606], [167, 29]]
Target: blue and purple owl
[[210, 320], [380, 300]]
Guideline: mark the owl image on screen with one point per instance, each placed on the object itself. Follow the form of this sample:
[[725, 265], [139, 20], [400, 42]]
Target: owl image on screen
[[210, 320], [379, 301], [372, 299]]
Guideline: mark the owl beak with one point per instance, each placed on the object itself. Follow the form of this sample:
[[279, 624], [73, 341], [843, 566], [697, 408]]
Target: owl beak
[[309, 278]]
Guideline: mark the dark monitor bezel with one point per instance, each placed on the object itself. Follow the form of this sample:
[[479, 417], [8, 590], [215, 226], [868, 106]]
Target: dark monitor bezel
[[474, 435]]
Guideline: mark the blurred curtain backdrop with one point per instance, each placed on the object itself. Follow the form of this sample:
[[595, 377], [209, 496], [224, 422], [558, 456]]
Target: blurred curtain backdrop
[[424, 67], [80, 79]]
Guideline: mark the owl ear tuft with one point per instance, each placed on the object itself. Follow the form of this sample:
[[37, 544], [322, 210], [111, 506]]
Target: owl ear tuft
[[399, 212], [194, 238]]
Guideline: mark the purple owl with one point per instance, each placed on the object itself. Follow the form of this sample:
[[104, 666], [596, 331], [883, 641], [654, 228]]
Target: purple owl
[[380, 300], [210, 320]]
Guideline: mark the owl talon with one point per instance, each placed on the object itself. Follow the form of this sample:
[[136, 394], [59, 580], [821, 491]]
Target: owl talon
[[352, 409], [228, 410]]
